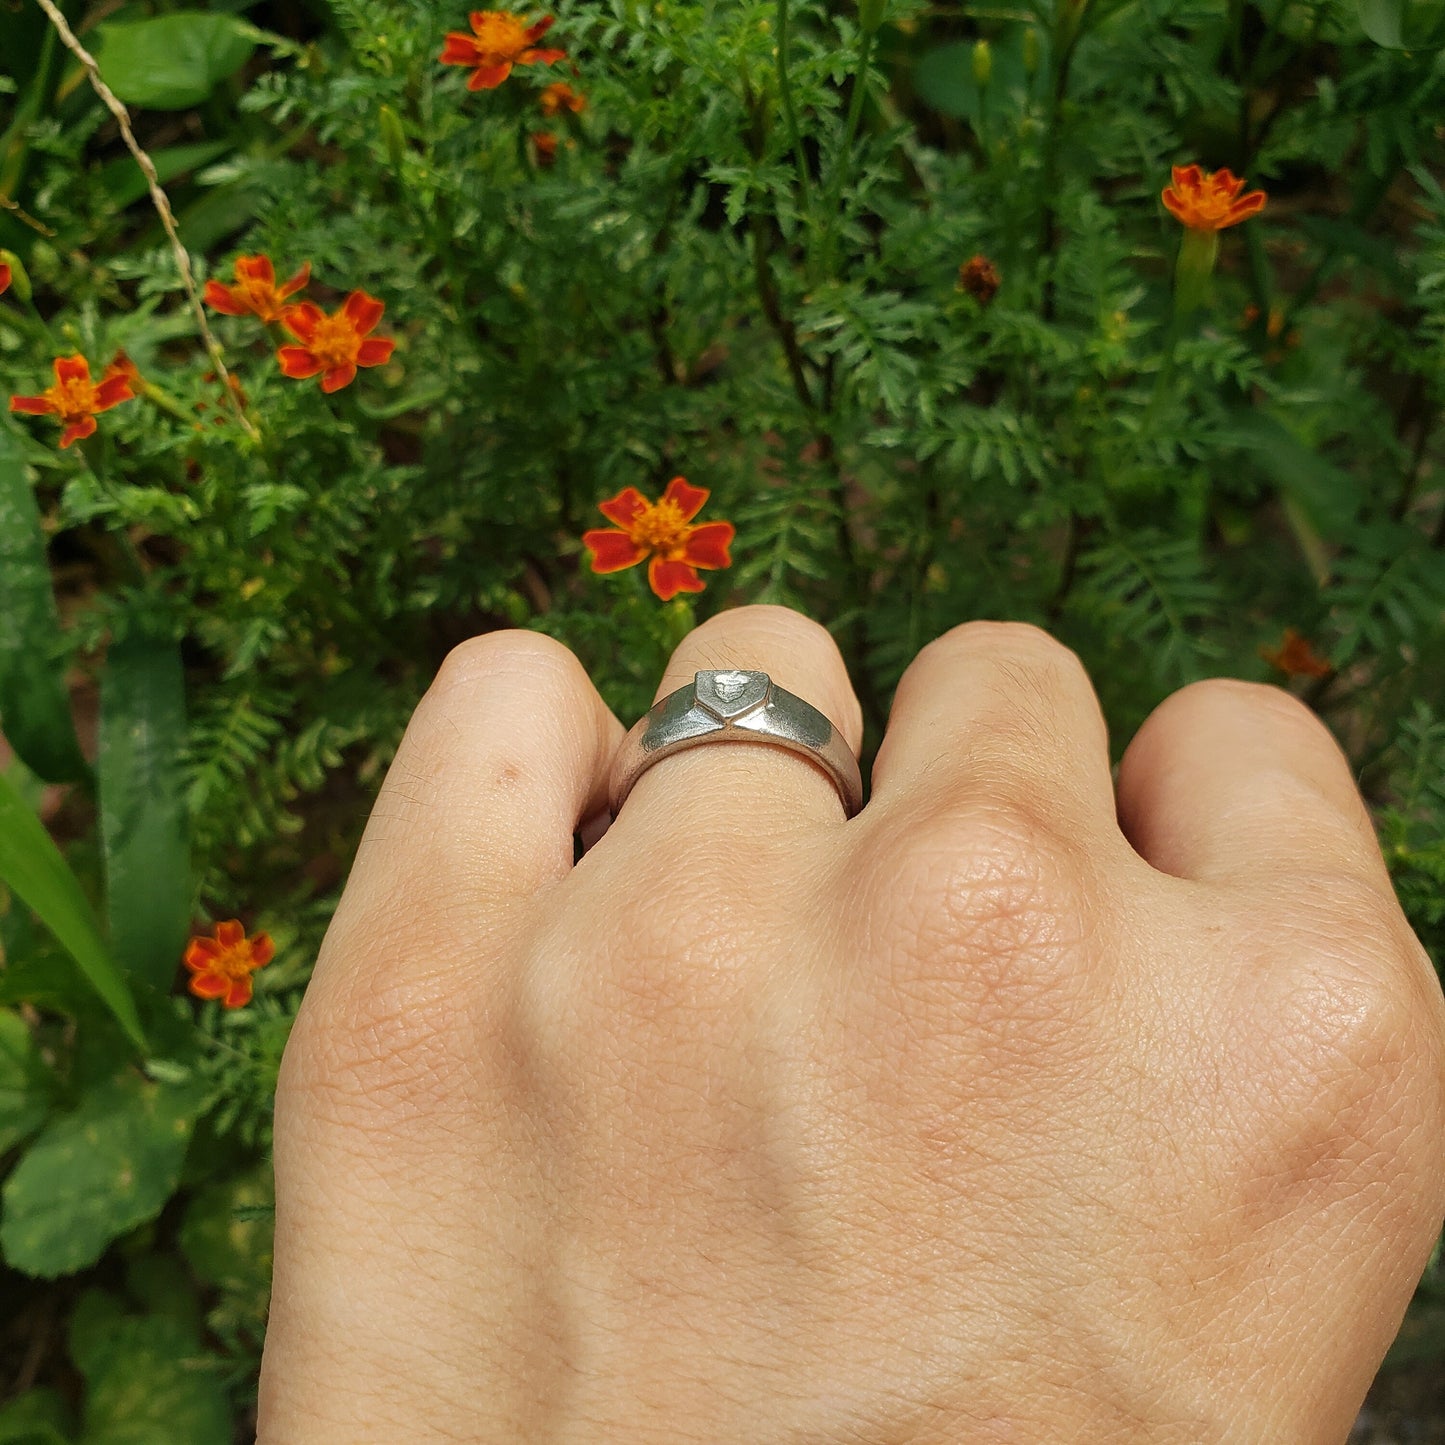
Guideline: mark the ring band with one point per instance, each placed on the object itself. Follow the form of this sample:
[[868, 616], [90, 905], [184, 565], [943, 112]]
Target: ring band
[[735, 706]]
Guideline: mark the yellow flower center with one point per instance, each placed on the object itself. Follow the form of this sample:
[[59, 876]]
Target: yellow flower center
[[500, 37], [662, 528], [336, 342], [265, 301], [234, 963], [72, 399]]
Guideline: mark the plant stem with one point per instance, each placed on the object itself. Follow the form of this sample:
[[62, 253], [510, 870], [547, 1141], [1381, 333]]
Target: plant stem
[[841, 161], [790, 115]]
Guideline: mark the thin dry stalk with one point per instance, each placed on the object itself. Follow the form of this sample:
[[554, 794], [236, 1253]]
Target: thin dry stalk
[[162, 205]]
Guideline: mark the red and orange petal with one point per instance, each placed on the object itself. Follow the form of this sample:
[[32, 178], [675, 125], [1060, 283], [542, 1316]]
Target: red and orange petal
[[664, 534], [74, 398], [498, 42], [334, 346], [1295, 657], [612, 551], [221, 966], [4, 278], [255, 292], [558, 95], [1209, 200]]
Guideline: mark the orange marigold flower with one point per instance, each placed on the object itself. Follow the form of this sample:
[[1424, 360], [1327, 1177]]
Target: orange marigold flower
[[1295, 657], [558, 96], [546, 146], [662, 532], [1209, 200], [499, 40], [75, 398], [4, 278], [334, 345], [221, 966], [255, 292]]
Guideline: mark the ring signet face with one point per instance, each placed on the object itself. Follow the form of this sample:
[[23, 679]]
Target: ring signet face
[[731, 695]]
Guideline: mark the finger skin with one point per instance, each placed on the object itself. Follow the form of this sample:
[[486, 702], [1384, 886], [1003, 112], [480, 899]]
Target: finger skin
[[1238, 782], [737, 786], [505, 755], [1000, 713]]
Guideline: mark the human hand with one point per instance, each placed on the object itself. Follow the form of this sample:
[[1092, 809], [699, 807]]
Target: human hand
[[991, 1114]]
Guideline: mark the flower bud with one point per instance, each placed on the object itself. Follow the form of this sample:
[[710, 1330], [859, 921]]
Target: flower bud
[[19, 277], [392, 135], [982, 63], [1031, 51]]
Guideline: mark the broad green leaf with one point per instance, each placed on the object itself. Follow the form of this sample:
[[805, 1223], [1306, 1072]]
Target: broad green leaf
[[142, 807], [32, 868], [24, 1097], [172, 62], [95, 1174], [1404, 24], [35, 1418], [149, 1381], [225, 1238], [34, 706]]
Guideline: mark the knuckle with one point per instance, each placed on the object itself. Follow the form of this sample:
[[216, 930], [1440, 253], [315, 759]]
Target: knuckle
[[988, 907]]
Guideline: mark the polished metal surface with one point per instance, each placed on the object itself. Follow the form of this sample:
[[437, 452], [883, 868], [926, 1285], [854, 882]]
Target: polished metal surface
[[735, 706]]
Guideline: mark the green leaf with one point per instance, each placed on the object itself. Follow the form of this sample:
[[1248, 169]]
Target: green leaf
[[223, 1247], [125, 184], [174, 61], [1403, 24], [142, 807], [1329, 496], [24, 1094], [34, 706], [32, 868], [148, 1380], [95, 1174], [35, 1418]]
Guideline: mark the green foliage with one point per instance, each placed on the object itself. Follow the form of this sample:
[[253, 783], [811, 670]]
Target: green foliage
[[741, 266], [94, 1173]]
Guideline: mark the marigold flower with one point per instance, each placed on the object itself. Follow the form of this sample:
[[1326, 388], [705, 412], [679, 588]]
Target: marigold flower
[[559, 96], [499, 40], [221, 966], [546, 146], [334, 345], [75, 399], [255, 292], [1209, 200], [4, 278], [1295, 657], [664, 533]]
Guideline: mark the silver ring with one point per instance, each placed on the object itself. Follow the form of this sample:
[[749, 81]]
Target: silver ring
[[735, 706]]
